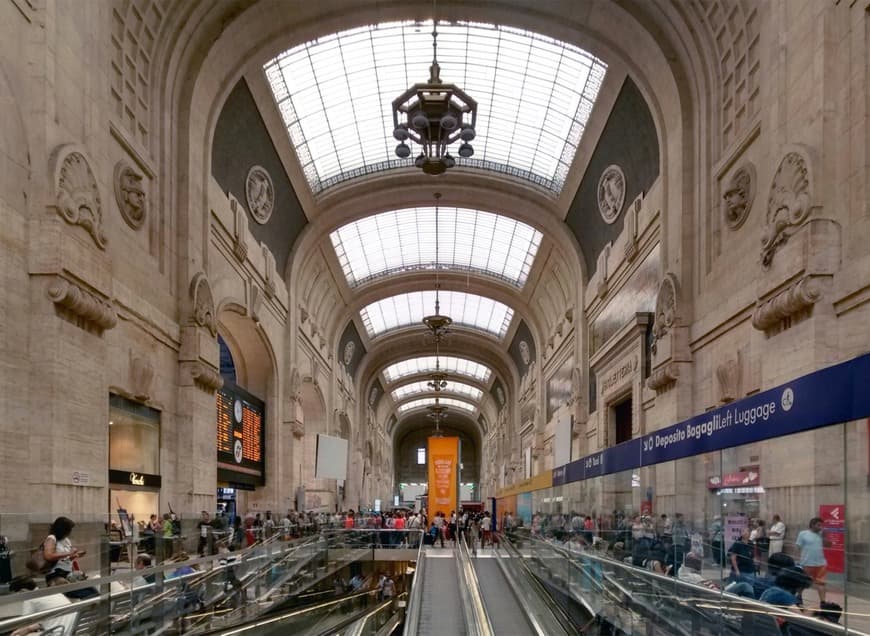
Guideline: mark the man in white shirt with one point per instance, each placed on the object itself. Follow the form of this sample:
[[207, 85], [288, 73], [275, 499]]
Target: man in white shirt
[[485, 528], [776, 534]]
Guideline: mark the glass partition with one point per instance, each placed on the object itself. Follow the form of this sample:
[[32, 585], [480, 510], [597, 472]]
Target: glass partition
[[715, 519]]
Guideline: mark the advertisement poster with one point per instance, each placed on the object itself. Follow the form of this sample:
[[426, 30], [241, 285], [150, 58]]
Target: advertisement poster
[[443, 473], [834, 535], [524, 509], [734, 525]]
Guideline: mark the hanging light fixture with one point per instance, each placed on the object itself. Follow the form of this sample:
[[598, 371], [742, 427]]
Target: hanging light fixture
[[434, 115], [438, 326]]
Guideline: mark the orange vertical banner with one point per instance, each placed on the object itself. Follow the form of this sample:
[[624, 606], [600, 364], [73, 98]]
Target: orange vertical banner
[[443, 475]]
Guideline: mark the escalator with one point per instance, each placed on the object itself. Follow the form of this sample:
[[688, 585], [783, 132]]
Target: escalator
[[502, 605], [440, 601]]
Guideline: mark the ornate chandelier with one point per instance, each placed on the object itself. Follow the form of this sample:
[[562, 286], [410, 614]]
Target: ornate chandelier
[[438, 326], [434, 115]]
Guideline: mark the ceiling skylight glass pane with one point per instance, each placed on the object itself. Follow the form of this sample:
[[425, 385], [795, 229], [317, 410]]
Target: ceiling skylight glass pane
[[466, 310], [426, 364], [423, 387], [534, 94], [404, 240], [416, 404]]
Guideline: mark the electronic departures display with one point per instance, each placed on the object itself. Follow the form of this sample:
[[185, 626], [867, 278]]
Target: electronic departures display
[[240, 437]]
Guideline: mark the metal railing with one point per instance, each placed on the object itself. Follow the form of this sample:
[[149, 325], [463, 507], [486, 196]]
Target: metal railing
[[634, 599], [477, 620]]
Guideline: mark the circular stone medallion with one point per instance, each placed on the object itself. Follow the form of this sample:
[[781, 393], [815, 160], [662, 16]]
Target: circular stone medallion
[[260, 193], [611, 193]]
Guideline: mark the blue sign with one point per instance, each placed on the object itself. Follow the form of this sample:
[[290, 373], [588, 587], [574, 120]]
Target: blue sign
[[830, 396]]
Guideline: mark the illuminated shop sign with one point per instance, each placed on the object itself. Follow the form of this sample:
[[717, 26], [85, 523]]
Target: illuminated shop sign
[[130, 478], [829, 396], [740, 478]]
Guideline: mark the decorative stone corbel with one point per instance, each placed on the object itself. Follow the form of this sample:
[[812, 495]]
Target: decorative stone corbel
[[204, 376], [728, 375], [240, 230], [82, 303], [77, 195], [255, 301], [141, 377], [203, 303], [569, 314], [303, 315], [602, 270], [632, 217], [796, 297], [664, 377], [804, 270], [270, 271]]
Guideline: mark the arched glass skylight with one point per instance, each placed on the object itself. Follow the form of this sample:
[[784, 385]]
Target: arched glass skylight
[[404, 240], [426, 364], [423, 387], [466, 310], [534, 95], [416, 404]]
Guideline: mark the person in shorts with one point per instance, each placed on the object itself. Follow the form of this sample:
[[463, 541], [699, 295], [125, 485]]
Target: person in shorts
[[812, 558]]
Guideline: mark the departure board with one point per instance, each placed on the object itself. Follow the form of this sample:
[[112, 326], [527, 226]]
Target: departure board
[[240, 437]]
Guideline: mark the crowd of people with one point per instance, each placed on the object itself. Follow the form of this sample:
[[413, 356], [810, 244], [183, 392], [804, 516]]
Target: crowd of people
[[755, 564]]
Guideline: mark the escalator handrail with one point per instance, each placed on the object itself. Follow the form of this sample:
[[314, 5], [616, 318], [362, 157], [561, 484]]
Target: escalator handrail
[[360, 624], [477, 618], [240, 628], [415, 597], [694, 593], [562, 619]]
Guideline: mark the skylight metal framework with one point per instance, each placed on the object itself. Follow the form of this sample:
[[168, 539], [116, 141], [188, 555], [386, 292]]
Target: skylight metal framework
[[404, 240], [423, 402], [467, 310], [426, 364], [459, 388], [535, 96]]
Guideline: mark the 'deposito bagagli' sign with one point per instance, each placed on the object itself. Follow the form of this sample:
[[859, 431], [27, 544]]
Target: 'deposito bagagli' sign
[[829, 396]]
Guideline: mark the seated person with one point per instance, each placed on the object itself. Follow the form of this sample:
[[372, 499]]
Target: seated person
[[184, 569], [788, 584], [61, 625], [777, 562], [143, 562]]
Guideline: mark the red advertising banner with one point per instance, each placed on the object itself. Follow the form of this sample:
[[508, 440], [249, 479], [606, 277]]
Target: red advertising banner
[[443, 474], [834, 536]]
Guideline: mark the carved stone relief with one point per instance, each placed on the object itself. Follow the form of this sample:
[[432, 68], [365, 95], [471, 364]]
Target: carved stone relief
[[739, 195], [141, 377], [260, 193], [130, 195], [611, 193], [77, 193], [203, 303], [789, 204], [666, 306], [728, 375], [82, 303]]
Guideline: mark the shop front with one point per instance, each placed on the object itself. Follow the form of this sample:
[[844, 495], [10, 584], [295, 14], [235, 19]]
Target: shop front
[[134, 462]]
